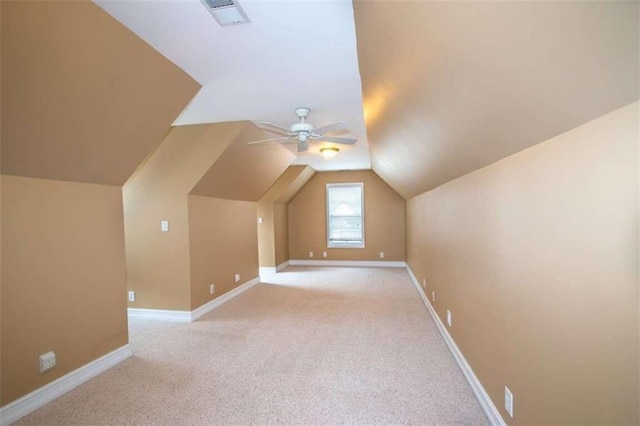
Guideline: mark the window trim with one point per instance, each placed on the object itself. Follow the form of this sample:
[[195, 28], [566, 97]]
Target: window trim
[[328, 218]]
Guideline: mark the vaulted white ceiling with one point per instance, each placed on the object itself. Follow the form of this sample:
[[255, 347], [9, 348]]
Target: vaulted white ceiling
[[291, 54]]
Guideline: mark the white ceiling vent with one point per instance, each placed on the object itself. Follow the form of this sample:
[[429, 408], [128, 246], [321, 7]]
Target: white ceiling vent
[[226, 12]]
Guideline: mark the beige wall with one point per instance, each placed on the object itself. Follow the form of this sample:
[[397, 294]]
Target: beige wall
[[281, 233], [384, 219], [536, 256], [158, 262], [223, 242], [266, 236], [63, 278]]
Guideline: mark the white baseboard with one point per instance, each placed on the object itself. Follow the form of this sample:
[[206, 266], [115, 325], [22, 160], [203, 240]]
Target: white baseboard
[[47, 393], [210, 306], [268, 270], [190, 316], [160, 314], [364, 263], [490, 410]]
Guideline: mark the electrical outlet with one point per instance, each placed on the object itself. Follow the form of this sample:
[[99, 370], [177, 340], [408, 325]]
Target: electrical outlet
[[259, 220], [47, 361], [132, 296], [324, 254], [449, 317], [381, 255], [212, 288], [310, 254], [424, 282], [508, 401], [433, 296], [237, 278], [164, 226]]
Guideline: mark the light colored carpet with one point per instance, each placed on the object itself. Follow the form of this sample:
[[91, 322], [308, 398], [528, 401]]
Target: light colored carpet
[[316, 346]]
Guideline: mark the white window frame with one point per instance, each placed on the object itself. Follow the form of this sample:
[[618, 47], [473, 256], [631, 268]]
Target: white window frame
[[345, 245]]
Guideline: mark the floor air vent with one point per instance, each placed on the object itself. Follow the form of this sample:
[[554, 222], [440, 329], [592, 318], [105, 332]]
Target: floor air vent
[[226, 12]]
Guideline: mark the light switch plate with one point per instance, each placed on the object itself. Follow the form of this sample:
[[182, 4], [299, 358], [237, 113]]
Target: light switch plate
[[508, 401]]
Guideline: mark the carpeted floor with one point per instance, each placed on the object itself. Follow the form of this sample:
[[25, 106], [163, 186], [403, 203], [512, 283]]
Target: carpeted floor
[[314, 346]]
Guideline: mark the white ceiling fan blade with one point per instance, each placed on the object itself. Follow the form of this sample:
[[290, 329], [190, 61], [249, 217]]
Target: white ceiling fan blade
[[273, 141], [334, 127], [273, 128], [303, 146], [336, 139]]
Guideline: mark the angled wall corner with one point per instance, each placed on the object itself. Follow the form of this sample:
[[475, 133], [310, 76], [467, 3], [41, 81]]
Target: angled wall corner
[[158, 263], [80, 110], [273, 232], [245, 172], [223, 238]]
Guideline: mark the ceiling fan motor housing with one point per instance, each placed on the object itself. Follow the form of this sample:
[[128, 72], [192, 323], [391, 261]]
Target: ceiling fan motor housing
[[302, 127]]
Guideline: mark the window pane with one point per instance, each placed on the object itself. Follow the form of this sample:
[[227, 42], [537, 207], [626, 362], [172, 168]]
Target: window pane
[[344, 210]]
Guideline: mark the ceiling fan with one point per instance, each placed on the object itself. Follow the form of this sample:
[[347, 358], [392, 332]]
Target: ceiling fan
[[302, 133]]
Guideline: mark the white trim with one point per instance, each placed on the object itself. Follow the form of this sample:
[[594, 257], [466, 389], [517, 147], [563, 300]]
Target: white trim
[[190, 316], [487, 405], [281, 266], [19, 408], [265, 270], [270, 270], [159, 314], [210, 306], [364, 263]]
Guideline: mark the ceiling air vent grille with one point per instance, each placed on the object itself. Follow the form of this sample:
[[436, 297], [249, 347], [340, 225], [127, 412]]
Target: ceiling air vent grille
[[214, 4], [226, 12]]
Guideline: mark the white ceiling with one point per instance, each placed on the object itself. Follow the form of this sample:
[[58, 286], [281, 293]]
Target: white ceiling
[[291, 54]]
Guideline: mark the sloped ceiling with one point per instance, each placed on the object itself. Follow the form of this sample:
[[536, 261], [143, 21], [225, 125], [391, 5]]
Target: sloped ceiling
[[244, 172], [83, 98], [450, 87], [288, 184]]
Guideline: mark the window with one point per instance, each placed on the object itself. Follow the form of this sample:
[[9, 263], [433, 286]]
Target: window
[[345, 215]]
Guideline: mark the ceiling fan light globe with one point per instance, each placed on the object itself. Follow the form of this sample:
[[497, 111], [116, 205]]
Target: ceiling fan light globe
[[329, 152]]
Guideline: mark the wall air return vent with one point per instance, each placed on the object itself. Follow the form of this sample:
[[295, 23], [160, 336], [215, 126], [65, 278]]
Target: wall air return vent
[[226, 12]]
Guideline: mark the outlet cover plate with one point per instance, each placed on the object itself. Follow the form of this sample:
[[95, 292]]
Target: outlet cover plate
[[47, 361]]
